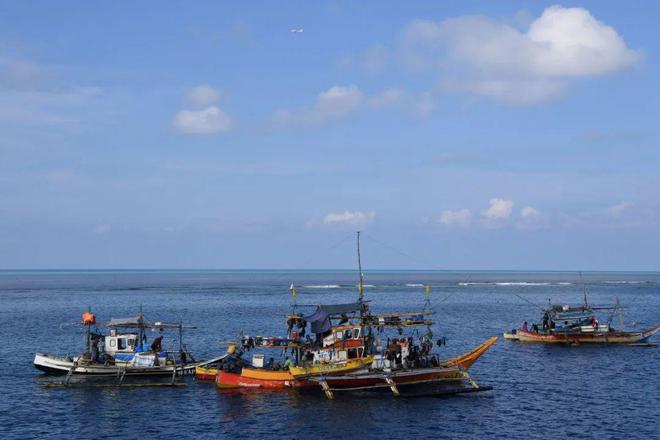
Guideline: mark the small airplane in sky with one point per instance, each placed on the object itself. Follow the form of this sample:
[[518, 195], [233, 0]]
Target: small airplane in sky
[[297, 31]]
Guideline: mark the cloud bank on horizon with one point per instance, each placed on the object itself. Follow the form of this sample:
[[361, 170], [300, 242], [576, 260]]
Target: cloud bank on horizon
[[476, 136]]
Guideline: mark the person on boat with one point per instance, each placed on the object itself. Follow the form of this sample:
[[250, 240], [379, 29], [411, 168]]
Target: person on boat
[[287, 363], [157, 344], [95, 348], [546, 318], [535, 328], [525, 328]]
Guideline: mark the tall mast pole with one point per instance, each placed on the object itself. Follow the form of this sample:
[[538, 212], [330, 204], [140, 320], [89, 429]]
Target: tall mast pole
[[361, 285]]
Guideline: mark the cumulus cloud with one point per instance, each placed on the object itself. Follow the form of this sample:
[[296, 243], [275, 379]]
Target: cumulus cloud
[[487, 57], [618, 209], [204, 116], [499, 209], [349, 218], [203, 95], [529, 212], [338, 102], [459, 217], [205, 121], [334, 103], [531, 218]]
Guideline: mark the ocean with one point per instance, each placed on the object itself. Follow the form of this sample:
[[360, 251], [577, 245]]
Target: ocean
[[539, 391]]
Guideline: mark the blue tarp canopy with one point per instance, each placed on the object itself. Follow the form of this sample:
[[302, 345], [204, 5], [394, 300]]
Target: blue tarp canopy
[[319, 320]]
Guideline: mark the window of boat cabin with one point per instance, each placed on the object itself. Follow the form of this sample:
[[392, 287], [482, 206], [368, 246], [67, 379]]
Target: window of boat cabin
[[356, 333], [352, 353], [347, 334], [339, 335], [121, 343]]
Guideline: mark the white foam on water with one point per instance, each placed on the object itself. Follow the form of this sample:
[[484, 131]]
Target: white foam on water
[[323, 286], [521, 283]]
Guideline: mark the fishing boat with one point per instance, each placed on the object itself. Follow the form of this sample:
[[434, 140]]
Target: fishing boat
[[353, 349], [123, 351], [575, 325]]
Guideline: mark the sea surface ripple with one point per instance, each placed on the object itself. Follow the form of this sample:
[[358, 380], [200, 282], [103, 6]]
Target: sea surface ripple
[[540, 391]]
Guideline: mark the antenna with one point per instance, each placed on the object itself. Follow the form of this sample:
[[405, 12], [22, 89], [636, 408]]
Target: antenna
[[361, 285]]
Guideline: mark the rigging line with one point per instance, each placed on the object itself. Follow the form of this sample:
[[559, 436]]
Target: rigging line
[[334, 246], [405, 254], [528, 301]]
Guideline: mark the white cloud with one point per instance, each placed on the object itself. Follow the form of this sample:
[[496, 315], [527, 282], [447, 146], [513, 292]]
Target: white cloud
[[460, 217], [487, 57], [350, 218], [203, 95], [204, 121], [529, 212], [334, 103], [341, 101], [618, 209], [499, 209]]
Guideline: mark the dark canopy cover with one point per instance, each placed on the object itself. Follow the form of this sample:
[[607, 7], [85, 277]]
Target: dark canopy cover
[[320, 319]]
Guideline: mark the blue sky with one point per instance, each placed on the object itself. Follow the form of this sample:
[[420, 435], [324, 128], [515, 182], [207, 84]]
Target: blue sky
[[469, 135]]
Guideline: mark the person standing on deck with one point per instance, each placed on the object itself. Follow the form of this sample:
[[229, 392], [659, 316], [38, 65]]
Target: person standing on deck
[[525, 328]]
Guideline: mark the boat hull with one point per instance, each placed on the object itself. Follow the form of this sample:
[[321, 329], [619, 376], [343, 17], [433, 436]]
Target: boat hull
[[206, 374], [52, 364], [450, 369], [331, 368], [588, 338], [263, 379]]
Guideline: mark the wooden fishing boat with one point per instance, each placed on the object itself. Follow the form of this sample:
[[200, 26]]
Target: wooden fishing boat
[[588, 336], [351, 350], [575, 325], [122, 352]]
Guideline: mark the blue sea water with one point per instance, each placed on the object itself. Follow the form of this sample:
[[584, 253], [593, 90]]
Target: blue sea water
[[540, 391]]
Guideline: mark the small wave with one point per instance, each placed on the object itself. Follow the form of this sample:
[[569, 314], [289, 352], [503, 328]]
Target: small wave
[[414, 285], [323, 286], [626, 282], [368, 285], [565, 284], [504, 283], [521, 283]]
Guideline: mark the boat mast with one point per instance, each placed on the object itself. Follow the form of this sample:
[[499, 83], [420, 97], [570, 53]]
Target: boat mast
[[88, 340], [361, 285], [584, 291]]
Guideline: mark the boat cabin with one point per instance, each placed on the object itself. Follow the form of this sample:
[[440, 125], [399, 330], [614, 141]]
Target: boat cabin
[[122, 343], [343, 334]]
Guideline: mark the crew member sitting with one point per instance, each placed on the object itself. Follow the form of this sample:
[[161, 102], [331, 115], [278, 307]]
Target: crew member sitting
[[157, 344]]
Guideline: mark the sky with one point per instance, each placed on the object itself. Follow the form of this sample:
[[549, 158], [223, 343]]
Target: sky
[[456, 135]]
